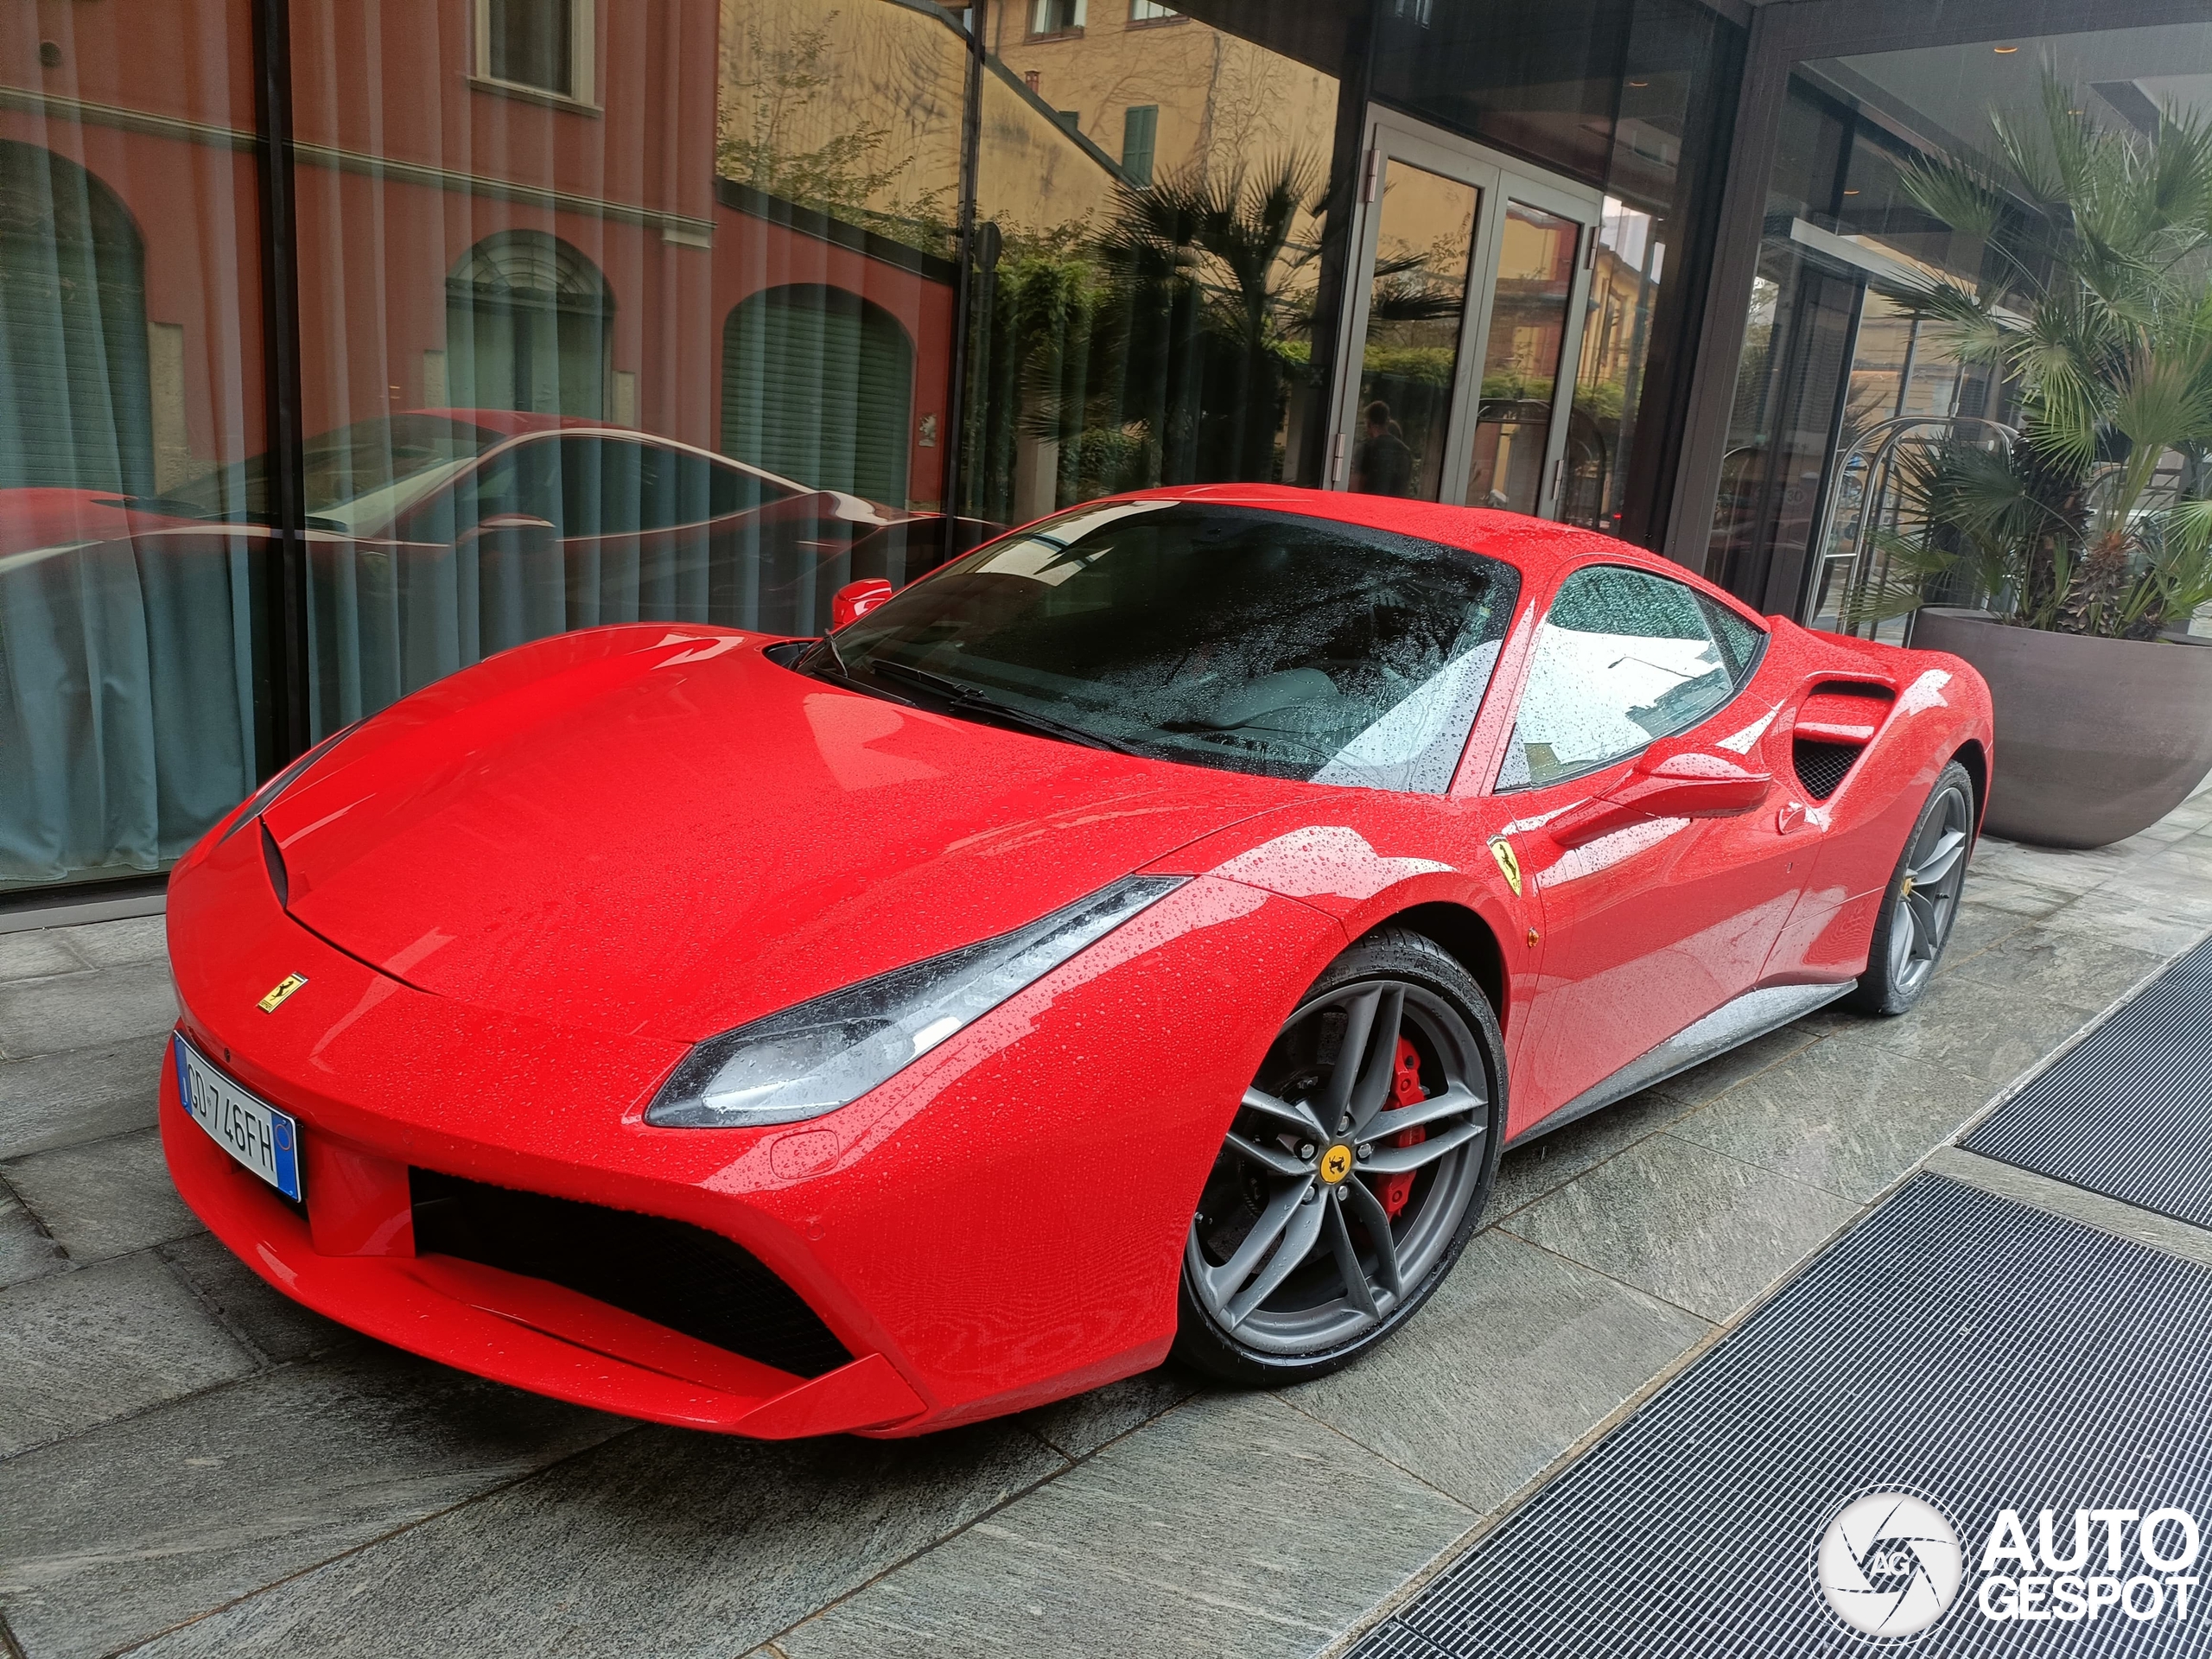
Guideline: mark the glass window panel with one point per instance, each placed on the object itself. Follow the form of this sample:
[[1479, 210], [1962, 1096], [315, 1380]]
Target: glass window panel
[[1521, 360], [531, 43], [134, 704], [1409, 360], [1622, 658], [1134, 328], [1625, 291], [693, 348]]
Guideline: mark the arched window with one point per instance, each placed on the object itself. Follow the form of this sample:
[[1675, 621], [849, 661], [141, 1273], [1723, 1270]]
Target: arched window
[[527, 323], [74, 408], [818, 386]]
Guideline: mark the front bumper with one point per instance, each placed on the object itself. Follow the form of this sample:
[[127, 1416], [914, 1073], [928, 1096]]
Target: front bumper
[[998, 1226]]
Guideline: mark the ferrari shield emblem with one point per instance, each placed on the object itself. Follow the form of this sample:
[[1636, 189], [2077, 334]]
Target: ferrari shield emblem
[[1507, 864], [283, 988], [1336, 1164]]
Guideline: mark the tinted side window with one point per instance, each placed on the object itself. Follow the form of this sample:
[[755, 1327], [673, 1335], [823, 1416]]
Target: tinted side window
[[603, 483], [732, 489], [1622, 657], [1740, 643], [521, 479]]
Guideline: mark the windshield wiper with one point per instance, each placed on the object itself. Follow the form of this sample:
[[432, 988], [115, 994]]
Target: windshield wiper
[[966, 699], [834, 671]]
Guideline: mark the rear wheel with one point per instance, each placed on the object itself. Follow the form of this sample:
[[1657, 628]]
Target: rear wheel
[[1354, 1171], [1923, 902]]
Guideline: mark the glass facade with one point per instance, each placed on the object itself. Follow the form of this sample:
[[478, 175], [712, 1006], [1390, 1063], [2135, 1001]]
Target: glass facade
[[1839, 386], [344, 346]]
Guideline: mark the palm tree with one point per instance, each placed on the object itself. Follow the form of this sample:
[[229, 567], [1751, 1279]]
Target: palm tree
[[2095, 305]]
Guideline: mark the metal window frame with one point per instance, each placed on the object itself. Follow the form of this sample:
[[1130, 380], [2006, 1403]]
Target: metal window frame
[[1499, 178], [583, 58]]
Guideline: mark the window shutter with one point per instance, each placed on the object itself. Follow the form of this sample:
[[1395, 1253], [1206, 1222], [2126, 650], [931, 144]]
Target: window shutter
[[1140, 135], [818, 385]]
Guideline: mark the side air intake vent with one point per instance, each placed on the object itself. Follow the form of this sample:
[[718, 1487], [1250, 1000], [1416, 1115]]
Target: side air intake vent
[[1820, 767], [669, 1272], [1834, 726]]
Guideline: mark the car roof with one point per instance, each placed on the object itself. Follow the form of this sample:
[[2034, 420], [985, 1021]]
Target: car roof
[[524, 422]]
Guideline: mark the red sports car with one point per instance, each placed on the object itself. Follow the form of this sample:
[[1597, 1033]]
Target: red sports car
[[1117, 943]]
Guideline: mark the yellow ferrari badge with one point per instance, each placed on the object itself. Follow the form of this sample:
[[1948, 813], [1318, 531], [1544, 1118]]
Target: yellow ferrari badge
[[1507, 864], [1336, 1163], [283, 988]]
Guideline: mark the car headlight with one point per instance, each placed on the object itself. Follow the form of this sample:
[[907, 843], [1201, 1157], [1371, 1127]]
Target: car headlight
[[828, 1052]]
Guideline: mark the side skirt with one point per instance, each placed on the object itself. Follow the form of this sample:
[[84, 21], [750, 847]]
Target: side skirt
[[1731, 1024]]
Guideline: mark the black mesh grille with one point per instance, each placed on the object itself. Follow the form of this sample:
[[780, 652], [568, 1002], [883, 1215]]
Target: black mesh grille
[[1820, 767], [669, 1272]]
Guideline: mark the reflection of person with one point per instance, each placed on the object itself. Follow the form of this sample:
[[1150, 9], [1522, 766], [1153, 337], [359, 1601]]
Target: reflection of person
[[1383, 465]]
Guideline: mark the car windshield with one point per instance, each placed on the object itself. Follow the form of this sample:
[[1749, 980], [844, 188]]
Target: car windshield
[[1228, 636], [358, 478]]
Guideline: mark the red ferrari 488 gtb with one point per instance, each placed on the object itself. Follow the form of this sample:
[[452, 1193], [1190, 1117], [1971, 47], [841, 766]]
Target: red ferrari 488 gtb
[[1142, 934]]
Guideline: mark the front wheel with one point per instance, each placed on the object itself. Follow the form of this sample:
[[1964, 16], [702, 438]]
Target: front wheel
[[1354, 1171], [1923, 902]]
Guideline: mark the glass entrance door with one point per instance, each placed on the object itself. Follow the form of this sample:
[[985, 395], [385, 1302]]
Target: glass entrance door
[[1463, 324]]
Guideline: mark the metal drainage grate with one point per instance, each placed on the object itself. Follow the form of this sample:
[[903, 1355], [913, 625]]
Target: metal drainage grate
[[2127, 1112], [669, 1272], [1982, 1353]]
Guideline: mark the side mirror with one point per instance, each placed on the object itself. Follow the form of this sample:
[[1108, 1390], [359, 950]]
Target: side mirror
[[1680, 784], [856, 599]]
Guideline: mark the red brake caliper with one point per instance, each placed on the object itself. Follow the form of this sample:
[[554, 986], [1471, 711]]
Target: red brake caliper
[[1405, 1089]]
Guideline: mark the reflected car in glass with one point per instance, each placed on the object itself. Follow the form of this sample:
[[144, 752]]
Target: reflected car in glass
[[1142, 935], [502, 525]]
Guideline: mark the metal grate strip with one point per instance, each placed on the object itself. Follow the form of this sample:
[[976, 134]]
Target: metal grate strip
[[2127, 1112], [1954, 1342]]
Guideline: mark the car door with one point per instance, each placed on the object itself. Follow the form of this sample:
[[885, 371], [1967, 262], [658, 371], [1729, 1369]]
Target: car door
[[1650, 919], [508, 550]]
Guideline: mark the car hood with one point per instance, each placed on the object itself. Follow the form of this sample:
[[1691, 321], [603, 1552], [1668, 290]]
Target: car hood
[[657, 830], [49, 522]]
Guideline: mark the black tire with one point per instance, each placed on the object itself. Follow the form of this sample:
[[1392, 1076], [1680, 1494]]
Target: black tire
[[1916, 919], [1353, 1168]]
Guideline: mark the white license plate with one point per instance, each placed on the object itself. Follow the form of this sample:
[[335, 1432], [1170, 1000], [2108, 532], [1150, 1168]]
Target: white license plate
[[264, 1140]]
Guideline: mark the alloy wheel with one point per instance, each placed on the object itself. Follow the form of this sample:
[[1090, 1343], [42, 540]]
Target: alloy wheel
[[1346, 1173], [1928, 898]]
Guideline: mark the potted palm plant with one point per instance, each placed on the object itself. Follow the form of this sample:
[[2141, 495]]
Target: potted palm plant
[[2066, 565]]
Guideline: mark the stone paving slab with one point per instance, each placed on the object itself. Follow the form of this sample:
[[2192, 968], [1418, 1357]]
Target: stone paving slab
[[661, 1542], [103, 1198], [80, 1094], [26, 1252], [110, 1538], [1705, 1233], [1233, 1524], [1519, 1351], [84, 1347], [46, 1016]]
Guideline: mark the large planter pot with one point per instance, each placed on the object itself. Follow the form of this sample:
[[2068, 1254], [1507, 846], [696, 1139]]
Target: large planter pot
[[2096, 739]]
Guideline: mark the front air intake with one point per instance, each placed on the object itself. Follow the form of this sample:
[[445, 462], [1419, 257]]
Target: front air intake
[[669, 1272]]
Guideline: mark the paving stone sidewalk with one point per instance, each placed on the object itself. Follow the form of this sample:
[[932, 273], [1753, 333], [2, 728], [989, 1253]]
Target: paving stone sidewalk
[[191, 1464]]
